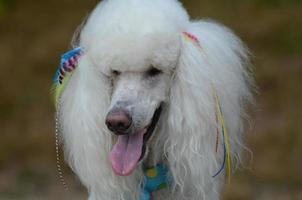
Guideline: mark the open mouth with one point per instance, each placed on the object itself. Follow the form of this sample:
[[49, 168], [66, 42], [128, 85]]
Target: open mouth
[[130, 149]]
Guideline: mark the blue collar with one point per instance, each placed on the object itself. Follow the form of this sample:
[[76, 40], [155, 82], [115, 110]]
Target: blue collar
[[155, 178]]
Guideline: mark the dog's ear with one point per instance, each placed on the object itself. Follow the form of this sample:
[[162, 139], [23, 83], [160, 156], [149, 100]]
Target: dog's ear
[[213, 60], [87, 141], [82, 110]]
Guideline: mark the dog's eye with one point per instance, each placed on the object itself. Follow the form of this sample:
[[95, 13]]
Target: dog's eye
[[115, 72], [153, 72]]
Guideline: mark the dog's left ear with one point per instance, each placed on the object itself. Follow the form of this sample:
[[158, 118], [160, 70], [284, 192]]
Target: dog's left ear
[[212, 61]]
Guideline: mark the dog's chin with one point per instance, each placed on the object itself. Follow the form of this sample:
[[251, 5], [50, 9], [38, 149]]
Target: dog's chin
[[130, 149]]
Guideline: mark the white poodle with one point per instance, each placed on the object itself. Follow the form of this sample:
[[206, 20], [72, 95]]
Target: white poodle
[[151, 104]]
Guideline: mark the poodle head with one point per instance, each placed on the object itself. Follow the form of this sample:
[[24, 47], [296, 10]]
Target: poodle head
[[136, 58]]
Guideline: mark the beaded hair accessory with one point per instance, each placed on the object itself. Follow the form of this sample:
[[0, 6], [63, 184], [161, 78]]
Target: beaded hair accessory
[[219, 119], [69, 62]]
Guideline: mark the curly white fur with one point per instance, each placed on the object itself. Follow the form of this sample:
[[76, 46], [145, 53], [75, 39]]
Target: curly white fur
[[132, 35]]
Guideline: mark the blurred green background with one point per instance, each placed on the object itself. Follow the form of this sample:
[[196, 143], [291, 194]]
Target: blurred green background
[[33, 34]]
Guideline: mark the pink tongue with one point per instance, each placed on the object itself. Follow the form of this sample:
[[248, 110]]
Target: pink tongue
[[126, 153]]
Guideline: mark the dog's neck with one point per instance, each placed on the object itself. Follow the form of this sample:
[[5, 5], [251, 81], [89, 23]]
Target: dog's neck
[[152, 160], [155, 178]]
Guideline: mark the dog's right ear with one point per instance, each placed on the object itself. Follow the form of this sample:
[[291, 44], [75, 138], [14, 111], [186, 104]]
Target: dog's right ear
[[213, 61]]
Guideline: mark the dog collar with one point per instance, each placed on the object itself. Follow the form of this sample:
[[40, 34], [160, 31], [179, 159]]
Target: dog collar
[[155, 179]]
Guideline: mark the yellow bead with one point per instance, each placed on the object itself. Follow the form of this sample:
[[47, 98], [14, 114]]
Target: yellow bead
[[152, 173]]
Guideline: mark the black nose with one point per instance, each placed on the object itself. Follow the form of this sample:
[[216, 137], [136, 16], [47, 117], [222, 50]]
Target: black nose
[[118, 121]]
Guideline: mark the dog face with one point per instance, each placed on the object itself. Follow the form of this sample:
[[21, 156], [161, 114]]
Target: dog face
[[136, 105], [137, 97]]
